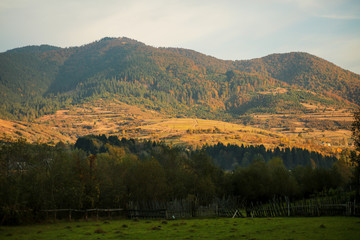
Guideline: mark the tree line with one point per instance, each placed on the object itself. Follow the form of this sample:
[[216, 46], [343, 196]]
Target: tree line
[[107, 172], [231, 156]]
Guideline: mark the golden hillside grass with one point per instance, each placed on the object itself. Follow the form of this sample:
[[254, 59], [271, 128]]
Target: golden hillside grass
[[112, 117]]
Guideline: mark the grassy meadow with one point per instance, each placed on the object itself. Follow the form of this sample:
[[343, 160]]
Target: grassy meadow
[[213, 228]]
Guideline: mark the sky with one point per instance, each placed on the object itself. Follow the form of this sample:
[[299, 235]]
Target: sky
[[225, 29]]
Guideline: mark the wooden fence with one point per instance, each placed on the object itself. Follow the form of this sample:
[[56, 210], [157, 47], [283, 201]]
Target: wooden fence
[[71, 214], [148, 213], [188, 209], [273, 208], [309, 208]]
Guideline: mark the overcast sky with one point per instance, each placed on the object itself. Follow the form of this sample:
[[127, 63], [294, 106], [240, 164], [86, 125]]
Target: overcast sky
[[226, 29]]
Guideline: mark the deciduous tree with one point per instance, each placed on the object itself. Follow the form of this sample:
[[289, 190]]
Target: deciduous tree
[[355, 156]]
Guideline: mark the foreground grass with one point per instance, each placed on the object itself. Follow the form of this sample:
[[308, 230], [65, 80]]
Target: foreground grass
[[221, 228]]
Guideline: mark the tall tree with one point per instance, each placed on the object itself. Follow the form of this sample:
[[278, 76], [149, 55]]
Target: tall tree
[[356, 129], [355, 156]]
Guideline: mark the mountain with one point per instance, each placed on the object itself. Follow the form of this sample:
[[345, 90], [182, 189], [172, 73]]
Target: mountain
[[38, 80], [308, 72]]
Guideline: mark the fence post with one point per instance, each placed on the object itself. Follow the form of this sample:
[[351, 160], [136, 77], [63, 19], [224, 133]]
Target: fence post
[[288, 207], [349, 208], [354, 212]]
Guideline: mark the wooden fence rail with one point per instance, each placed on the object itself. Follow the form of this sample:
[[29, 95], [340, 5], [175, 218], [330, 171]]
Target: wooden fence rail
[[183, 209], [85, 214]]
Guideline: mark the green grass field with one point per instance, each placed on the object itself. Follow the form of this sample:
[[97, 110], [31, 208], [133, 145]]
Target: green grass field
[[324, 228]]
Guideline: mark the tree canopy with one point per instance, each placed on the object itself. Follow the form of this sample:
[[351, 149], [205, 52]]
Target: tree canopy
[[106, 172]]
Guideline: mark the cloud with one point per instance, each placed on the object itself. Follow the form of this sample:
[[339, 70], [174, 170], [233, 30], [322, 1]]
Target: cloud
[[341, 17], [11, 4], [160, 24]]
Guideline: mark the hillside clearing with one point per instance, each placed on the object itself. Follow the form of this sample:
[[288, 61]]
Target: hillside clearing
[[324, 132]]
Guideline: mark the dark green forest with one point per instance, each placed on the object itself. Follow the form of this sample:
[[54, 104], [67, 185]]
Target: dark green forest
[[38, 80], [107, 172], [230, 157]]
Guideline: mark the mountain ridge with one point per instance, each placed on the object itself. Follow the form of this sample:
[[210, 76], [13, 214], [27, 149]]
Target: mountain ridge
[[124, 87], [40, 79]]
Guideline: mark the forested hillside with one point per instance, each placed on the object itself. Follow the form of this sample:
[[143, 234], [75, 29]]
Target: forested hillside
[[309, 72], [38, 80]]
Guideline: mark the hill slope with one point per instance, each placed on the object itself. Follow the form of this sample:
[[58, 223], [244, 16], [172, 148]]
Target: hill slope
[[112, 117], [38, 80], [309, 72]]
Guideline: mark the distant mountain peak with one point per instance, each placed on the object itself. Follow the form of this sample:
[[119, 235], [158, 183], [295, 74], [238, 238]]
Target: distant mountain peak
[[34, 48], [180, 81]]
